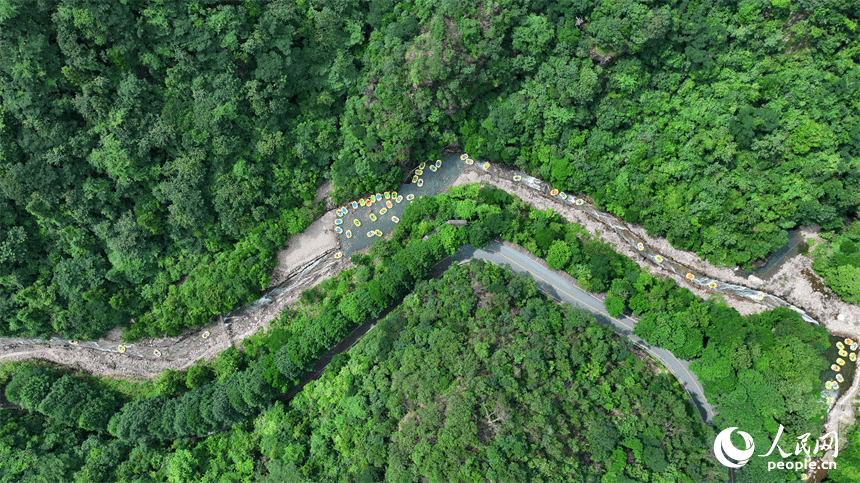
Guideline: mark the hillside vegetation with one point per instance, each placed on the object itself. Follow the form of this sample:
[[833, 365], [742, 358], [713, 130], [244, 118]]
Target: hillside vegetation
[[155, 154], [474, 377], [760, 371]]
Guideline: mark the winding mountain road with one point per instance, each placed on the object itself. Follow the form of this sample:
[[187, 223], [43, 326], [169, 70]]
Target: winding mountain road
[[183, 351], [561, 289]]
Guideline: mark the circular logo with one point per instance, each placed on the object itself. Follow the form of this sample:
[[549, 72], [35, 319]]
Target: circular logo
[[724, 449]]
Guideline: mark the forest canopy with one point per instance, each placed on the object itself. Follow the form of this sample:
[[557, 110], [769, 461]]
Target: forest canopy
[[155, 154], [475, 376], [773, 359]]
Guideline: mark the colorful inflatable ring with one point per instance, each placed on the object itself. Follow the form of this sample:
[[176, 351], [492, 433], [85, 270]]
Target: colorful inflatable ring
[[848, 341], [553, 192], [422, 165], [395, 219], [120, 348], [712, 285], [370, 234], [399, 199], [73, 342], [388, 204], [383, 211], [378, 232], [658, 258], [378, 196], [840, 345], [463, 157], [840, 361], [690, 276], [438, 163], [415, 179], [562, 195], [518, 177], [338, 221], [852, 357], [410, 197], [348, 234], [835, 367], [433, 168], [157, 353], [206, 335], [486, 166], [843, 353], [338, 255], [387, 195], [579, 202], [828, 385], [419, 172], [372, 217], [362, 202], [840, 378], [356, 222], [338, 229], [640, 246], [420, 183], [354, 205]]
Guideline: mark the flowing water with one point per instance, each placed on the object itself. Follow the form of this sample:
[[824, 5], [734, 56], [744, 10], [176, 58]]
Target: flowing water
[[433, 183], [790, 249]]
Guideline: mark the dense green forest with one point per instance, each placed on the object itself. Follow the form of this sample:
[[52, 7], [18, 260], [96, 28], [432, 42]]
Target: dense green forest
[[474, 377], [838, 262], [760, 370], [154, 154], [848, 463]]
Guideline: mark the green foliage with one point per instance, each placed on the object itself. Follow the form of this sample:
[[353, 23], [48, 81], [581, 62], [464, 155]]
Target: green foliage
[[614, 305], [155, 180], [185, 159], [418, 360], [32, 449], [170, 382], [848, 468], [67, 400], [200, 373], [838, 263], [29, 387], [429, 407], [229, 362]]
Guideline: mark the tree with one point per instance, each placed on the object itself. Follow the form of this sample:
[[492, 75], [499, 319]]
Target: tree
[[198, 374], [73, 402], [614, 305], [558, 255], [170, 382], [287, 366], [141, 421], [29, 387], [181, 467]]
